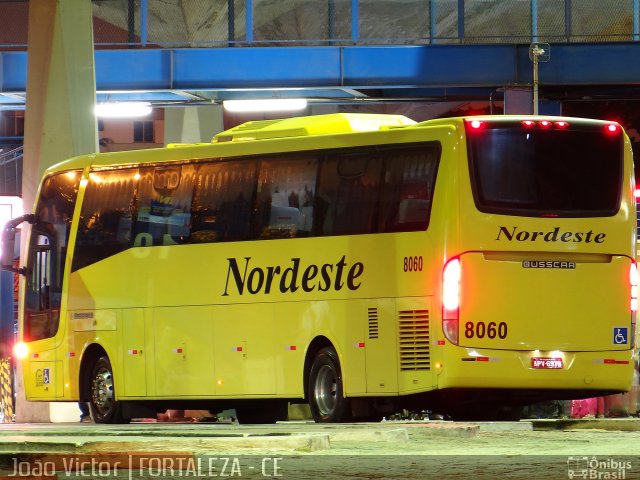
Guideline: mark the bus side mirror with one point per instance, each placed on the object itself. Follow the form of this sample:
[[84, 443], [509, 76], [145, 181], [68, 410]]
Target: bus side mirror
[[8, 243]]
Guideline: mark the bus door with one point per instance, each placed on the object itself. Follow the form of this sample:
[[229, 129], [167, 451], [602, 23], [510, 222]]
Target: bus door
[[41, 313], [46, 258], [547, 239]]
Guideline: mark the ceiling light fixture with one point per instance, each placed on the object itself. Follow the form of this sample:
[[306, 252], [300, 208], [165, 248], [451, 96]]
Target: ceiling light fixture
[[123, 109], [265, 105]]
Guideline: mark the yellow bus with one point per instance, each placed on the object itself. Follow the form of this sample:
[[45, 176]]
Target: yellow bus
[[357, 263]]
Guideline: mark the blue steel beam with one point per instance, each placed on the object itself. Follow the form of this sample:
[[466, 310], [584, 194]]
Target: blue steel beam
[[347, 67]]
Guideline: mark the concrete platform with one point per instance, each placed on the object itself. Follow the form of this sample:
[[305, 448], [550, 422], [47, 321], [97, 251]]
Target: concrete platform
[[624, 424], [285, 437], [200, 437]]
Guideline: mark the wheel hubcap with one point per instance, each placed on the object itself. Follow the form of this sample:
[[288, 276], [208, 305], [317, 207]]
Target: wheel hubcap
[[102, 390], [326, 389]]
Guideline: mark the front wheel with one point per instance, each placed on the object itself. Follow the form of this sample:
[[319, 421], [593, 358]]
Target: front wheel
[[102, 399], [326, 391]]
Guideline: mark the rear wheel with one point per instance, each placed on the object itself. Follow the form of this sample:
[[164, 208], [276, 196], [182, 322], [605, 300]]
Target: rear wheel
[[102, 399], [326, 397]]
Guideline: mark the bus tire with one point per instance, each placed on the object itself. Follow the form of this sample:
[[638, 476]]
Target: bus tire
[[102, 400], [326, 389]]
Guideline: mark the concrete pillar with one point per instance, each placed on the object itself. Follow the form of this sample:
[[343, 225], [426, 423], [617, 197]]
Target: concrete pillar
[[59, 118], [192, 124]]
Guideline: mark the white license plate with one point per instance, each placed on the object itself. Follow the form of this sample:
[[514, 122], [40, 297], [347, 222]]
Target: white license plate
[[546, 362]]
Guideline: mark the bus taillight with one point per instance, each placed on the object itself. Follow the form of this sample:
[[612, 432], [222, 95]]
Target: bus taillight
[[474, 124], [451, 276], [612, 128], [633, 303], [633, 282]]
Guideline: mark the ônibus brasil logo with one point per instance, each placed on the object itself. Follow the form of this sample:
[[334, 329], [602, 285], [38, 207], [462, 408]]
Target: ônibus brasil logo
[[244, 276]]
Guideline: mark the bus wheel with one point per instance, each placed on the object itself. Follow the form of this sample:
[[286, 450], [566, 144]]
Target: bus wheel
[[326, 397], [102, 400]]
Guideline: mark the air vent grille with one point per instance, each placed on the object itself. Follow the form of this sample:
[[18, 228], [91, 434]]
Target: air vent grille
[[413, 336], [373, 323]]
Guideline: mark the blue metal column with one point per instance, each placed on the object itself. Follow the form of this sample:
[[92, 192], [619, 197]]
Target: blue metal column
[[534, 20], [567, 19], [143, 22], [355, 21], [432, 21], [636, 20], [249, 21], [460, 20], [231, 24]]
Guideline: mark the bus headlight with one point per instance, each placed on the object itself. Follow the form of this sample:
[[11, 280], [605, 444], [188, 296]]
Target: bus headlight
[[20, 350]]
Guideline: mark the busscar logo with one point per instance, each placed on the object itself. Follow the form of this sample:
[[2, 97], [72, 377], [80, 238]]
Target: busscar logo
[[290, 279], [548, 264], [551, 236]]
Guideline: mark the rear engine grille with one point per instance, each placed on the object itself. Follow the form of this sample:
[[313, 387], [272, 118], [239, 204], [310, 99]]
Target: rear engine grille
[[373, 323], [413, 336]]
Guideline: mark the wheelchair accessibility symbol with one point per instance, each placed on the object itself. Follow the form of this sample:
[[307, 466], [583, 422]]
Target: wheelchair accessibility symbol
[[620, 335]]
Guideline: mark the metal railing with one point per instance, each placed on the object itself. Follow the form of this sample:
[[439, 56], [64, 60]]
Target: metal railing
[[11, 171], [247, 23]]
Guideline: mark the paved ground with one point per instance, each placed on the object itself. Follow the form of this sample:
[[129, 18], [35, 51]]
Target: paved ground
[[552, 449]]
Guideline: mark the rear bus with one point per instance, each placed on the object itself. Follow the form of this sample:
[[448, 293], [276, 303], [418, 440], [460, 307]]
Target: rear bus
[[539, 289]]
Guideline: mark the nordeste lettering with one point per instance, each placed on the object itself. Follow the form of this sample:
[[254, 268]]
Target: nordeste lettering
[[556, 235], [251, 279]]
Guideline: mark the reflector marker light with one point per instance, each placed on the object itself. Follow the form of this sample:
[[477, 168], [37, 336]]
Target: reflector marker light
[[480, 359], [612, 128], [291, 347], [636, 193], [71, 354], [475, 124], [177, 350], [560, 124], [612, 361], [237, 349], [359, 344], [134, 352]]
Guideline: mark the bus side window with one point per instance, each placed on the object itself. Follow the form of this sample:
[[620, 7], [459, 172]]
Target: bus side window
[[222, 201], [285, 196], [348, 194], [408, 189], [107, 215], [164, 205]]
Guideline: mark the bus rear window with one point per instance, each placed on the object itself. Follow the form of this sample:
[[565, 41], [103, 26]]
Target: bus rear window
[[546, 172]]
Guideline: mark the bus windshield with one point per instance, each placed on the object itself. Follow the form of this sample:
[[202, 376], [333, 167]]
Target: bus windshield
[[47, 254], [558, 173]]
